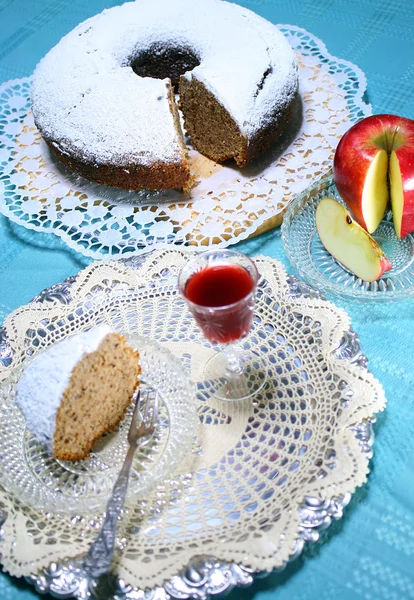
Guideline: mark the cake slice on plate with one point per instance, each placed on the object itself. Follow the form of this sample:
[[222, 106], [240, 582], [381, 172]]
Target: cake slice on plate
[[77, 390]]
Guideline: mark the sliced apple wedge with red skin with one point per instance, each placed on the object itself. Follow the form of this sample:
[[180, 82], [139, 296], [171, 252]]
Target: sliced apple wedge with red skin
[[348, 242], [362, 170], [401, 175]]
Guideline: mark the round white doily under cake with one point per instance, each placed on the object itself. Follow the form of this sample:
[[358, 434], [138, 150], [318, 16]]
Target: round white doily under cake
[[226, 206]]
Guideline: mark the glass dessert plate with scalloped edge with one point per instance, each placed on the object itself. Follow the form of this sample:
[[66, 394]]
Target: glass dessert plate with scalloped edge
[[44, 483], [316, 265]]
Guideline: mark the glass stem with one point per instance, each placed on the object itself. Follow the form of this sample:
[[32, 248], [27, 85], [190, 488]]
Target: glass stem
[[234, 362]]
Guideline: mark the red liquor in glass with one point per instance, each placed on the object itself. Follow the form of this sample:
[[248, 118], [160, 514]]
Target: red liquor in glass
[[219, 287], [222, 286]]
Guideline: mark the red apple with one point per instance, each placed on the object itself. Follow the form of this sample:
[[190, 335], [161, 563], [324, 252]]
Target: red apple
[[348, 242], [374, 163]]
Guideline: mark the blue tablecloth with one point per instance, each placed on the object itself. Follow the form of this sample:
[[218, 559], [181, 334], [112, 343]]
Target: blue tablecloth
[[370, 552]]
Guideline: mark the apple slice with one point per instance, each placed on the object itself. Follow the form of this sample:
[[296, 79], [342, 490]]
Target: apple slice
[[348, 242], [375, 192], [402, 191]]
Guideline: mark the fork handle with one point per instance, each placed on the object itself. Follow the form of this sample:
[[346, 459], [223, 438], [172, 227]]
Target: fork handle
[[100, 554]]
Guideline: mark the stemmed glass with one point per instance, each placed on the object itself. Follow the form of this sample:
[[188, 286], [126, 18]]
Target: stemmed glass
[[219, 287]]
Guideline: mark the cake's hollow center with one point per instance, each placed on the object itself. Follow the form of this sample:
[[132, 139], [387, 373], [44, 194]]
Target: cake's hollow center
[[160, 61]]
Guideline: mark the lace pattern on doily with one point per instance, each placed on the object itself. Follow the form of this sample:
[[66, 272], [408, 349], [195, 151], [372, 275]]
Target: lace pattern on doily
[[226, 206], [237, 496]]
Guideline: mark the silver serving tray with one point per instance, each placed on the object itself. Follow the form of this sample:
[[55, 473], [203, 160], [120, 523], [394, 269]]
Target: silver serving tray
[[205, 576]]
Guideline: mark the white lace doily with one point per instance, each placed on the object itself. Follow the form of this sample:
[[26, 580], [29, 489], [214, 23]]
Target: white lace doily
[[237, 496], [227, 205]]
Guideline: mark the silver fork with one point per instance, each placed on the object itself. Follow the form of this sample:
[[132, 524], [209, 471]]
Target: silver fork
[[99, 557]]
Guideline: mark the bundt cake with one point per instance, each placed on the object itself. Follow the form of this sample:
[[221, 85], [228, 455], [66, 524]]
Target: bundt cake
[[77, 390], [103, 97]]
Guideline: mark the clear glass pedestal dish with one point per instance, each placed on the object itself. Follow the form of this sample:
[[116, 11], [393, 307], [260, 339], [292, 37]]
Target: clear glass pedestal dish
[[316, 265]]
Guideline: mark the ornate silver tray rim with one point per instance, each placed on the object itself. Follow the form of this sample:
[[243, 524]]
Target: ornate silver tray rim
[[205, 576]]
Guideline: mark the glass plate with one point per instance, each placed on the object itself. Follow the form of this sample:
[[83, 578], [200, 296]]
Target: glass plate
[[317, 266], [44, 483]]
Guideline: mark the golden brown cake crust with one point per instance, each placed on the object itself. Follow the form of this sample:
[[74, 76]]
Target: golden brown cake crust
[[156, 176], [267, 136], [131, 177]]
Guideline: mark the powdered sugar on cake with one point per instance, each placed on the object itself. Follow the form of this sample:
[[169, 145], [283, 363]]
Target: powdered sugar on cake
[[42, 384], [87, 99]]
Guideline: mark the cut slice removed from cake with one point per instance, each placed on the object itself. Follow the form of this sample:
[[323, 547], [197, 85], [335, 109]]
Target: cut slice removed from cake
[[77, 390]]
